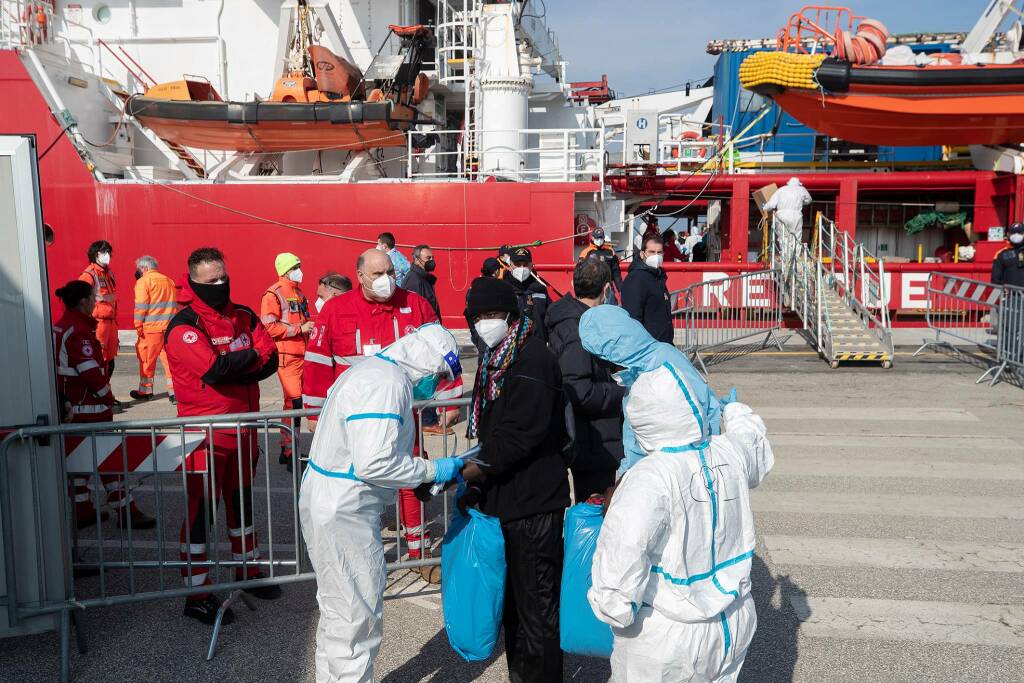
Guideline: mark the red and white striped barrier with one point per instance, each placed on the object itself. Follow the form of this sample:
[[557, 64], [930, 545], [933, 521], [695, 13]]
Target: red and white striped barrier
[[138, 456]]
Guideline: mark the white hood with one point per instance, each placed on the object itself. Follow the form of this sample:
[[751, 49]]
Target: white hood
[[430, 350], [664, 411]]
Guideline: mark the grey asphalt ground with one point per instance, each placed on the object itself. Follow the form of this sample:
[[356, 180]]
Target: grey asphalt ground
[[890, 546]]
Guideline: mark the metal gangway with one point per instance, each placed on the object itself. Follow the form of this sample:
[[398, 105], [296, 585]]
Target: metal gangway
[[838, 289]]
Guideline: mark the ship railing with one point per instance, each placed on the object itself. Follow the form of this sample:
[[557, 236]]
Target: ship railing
[[163, 465], [728, 317], [684, 144], [977, 322], [535, 155]]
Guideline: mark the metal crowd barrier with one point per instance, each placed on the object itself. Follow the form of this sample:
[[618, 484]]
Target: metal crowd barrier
[[1010, 333], [716, 315], [987, 320], [107, 564]]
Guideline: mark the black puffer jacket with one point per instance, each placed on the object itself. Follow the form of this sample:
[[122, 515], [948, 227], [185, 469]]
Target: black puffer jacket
[[521, 435], [645, 298], [421, 282], [533, 301], [596, 398]]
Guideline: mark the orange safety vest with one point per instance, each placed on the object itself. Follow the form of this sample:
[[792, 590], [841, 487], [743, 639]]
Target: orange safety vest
[[156, 301], [283, 311], [104, 292]]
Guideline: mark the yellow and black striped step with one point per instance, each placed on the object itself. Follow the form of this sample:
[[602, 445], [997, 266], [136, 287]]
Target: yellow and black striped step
[[876, 356]]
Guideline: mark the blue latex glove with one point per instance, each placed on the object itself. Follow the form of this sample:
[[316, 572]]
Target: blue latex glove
[[446, 469], [731, 398]]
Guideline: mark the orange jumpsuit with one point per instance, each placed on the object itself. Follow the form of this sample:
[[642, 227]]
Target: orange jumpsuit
[[156, 302], [283, 311], [104, 310]]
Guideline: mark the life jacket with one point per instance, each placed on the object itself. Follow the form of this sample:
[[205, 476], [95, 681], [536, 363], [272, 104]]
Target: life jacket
[[283, 311], [104, 291]]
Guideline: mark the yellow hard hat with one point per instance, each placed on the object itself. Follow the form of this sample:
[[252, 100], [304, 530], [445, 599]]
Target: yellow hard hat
[[285, 262]]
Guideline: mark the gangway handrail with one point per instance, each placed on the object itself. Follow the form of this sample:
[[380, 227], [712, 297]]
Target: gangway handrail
[[860, 281]]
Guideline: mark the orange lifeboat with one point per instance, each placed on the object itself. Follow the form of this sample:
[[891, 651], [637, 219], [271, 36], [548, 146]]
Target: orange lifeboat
[[327, 110], [848, 94]]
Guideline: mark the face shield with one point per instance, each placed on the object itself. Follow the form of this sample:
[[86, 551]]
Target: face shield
[[426, 387]]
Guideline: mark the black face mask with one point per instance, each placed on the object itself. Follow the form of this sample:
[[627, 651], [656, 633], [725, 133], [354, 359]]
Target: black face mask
[[214, 296], [138, 274], [430, 265]]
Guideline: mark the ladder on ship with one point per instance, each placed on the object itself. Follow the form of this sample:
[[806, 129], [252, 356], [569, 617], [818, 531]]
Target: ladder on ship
[[186, 162], [838, 290], [458, 62]]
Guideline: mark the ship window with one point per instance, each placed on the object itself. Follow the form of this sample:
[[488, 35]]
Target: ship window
[[101, 13]]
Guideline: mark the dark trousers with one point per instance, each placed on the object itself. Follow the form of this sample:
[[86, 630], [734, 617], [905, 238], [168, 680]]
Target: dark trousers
[[533, 551], [584, 484]]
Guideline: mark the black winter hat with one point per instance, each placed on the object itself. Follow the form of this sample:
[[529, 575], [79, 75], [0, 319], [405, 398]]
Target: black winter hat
[[490, 267], [488, 294]]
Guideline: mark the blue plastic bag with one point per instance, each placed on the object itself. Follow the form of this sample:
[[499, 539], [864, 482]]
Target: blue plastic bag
[[473, 583], [581, 632]]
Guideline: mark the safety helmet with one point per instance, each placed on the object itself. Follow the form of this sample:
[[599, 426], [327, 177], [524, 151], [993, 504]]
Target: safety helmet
[[1016, 227], [285, 262]]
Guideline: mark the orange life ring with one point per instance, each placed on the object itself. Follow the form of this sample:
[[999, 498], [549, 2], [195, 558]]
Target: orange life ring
[[693, 136]]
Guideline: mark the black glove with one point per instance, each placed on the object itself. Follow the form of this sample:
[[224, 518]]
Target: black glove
[[471, 498], [423, 492]]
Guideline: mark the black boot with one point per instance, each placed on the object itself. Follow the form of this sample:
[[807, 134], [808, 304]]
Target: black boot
[[205, 610], [264, 592]]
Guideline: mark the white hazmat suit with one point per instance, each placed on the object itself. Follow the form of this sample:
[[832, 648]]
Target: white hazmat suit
[[788, 204], [362, 453], [671, 574]]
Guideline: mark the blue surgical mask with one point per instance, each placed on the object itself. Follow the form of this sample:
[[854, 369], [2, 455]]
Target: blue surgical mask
[[425, 388]]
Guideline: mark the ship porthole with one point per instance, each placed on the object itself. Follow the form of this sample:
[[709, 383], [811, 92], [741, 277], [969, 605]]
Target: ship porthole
[[101, 13], [48, 236]]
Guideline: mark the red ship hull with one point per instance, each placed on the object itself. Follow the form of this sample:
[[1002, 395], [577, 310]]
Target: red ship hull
[[169, 221], [333, 223]]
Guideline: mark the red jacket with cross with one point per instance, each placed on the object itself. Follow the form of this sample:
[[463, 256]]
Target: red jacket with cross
[[82, 382], [350, 327], [217, 358]]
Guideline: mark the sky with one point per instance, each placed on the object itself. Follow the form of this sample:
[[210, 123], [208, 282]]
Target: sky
[[653, 44]]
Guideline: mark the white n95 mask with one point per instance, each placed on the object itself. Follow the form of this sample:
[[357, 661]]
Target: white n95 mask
[[492, 330], [319, 305], [521, 273], [103, 258], [295, 275], [654, 260], [1016, 238], [384, 286]]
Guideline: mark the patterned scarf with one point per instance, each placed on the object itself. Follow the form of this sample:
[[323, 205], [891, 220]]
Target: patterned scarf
[[490, 375]]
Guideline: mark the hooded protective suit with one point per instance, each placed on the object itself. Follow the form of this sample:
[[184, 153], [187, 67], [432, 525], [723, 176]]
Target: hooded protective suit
[[362, 453], [671, 574], [610, 333], [788, 204]]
